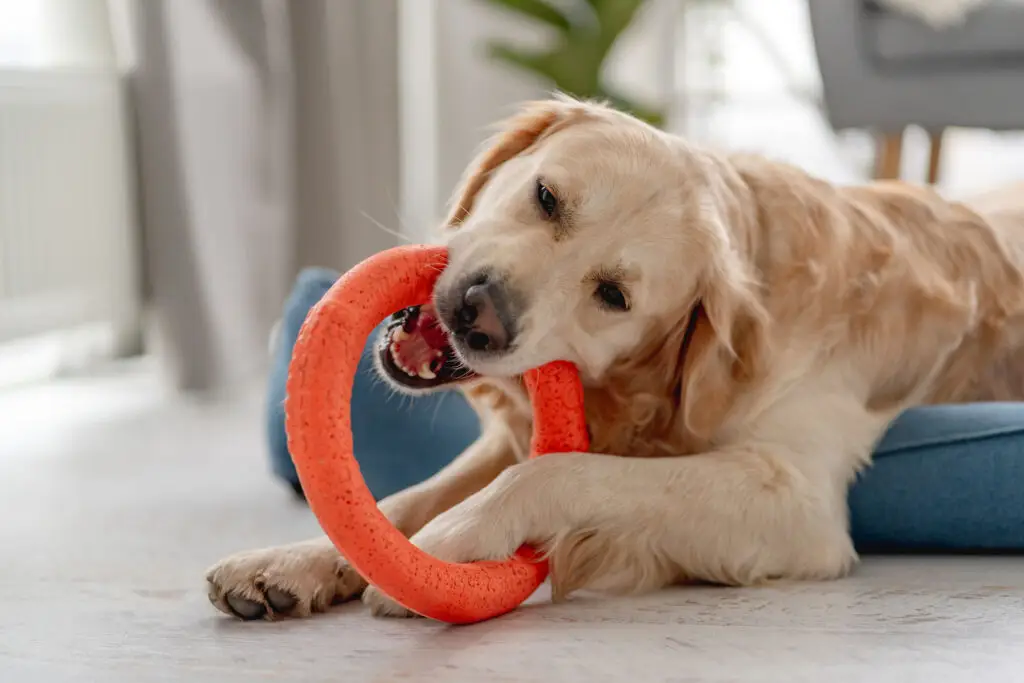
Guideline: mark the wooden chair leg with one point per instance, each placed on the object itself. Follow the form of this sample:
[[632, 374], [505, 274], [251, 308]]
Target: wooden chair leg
[[889, 154], [934, 156]]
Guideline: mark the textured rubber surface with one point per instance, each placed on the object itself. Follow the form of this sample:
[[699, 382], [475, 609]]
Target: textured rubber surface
[[319, 389]]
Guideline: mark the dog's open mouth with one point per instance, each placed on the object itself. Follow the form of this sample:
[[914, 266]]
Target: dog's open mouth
[[414, 351]]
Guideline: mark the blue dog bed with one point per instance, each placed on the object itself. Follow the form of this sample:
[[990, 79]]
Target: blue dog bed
[[945, 478]]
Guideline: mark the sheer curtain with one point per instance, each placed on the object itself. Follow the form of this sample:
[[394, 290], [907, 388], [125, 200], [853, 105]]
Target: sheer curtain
[[267, 132]]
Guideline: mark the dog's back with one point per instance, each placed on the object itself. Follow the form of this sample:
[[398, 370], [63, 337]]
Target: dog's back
[[1004, 208]]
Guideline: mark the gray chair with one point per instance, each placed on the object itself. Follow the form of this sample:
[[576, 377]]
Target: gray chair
[[885, 71]]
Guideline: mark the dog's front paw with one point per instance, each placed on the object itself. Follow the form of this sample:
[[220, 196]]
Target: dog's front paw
[[293, 581], [382, 606], [473, 530], [449, 538]]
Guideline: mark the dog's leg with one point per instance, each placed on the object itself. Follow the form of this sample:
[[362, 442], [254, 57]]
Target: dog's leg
[[737, 516], [770, 505], [297, 580]]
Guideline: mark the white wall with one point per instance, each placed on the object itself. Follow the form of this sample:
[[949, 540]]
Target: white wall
[[49, 34], [451, 93], [68, 245]]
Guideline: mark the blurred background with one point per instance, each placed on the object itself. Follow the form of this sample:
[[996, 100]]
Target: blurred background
[[166, 168]]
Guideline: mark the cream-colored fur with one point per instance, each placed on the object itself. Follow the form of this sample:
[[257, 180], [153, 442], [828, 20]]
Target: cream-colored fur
[[821, 314]]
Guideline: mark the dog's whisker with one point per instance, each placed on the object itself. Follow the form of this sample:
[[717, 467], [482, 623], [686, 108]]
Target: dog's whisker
[[402, 223], [385, 229], [437, 410]]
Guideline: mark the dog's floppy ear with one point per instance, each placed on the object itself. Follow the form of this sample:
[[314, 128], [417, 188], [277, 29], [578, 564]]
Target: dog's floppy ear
[[728, 346], [533, 122]]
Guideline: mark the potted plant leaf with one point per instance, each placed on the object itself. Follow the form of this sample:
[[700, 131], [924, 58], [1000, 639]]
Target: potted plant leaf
[[585, 32]]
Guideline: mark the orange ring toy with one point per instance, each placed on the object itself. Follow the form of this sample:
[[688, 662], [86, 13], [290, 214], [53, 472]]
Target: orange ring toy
[[318, 423]]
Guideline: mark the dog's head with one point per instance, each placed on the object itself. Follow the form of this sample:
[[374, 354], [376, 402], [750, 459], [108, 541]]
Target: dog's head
[[580, 233]]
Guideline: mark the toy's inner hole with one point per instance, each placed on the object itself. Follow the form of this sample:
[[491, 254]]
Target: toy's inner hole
[[414, 352]]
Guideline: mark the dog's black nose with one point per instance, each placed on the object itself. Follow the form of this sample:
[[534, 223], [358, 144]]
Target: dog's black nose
[[480, 317]]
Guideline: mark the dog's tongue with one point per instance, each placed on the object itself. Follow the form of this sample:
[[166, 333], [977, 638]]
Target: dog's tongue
[[428, 327], [418, 346]]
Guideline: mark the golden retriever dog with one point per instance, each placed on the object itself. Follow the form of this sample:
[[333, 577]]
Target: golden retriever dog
[[745, 333]]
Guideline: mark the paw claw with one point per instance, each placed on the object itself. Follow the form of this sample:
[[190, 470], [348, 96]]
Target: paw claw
[[382, 606]]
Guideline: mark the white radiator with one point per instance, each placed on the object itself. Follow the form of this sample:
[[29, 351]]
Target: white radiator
[[68, 248]]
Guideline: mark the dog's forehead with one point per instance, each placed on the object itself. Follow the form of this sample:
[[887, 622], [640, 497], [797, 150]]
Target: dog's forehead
[[605, 175], [610, 148]]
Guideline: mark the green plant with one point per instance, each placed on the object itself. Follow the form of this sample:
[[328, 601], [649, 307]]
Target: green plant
[[586, 30]]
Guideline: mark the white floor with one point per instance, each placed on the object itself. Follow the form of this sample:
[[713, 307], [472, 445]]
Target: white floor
[[114, 498]]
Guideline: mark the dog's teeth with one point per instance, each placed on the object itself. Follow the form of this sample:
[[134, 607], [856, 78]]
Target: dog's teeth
[[393, 348], [425, 372], [400, 335]]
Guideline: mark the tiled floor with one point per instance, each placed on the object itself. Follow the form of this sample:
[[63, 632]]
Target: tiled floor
[[114, 498]]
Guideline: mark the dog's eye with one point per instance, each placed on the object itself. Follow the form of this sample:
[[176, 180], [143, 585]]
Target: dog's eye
[[611, 296], [546, 199]]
